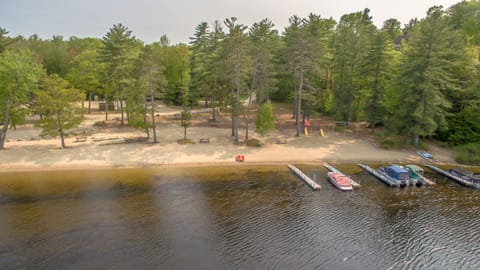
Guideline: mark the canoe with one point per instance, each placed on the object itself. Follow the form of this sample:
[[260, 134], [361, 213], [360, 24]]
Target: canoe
[[340, 181]]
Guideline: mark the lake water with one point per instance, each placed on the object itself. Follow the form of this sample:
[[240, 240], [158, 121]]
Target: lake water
[[232, 218]]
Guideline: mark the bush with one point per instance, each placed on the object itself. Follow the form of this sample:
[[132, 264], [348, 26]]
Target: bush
[[100, 124], [468, 153], [254, 143], [390, 142], [184, 141]]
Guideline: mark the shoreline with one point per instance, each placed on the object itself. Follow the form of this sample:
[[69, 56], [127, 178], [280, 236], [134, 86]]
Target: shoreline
[[27, 152]]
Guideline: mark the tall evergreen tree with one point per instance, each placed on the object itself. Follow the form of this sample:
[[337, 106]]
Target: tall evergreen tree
[[152, 82], [426, 75], [264, 40], [236, 63], [377, 70], [117, 56], [351, 40]]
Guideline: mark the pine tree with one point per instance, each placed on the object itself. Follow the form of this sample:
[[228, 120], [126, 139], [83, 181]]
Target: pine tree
[[117, 56], [58, 103], [426, 74]]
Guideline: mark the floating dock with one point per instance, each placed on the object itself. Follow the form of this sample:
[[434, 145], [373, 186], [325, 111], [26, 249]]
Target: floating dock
[[305, 178], [453, 177], [380, 176], [333, 169]]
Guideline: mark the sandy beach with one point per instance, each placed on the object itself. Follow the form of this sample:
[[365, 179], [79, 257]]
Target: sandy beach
[[26, 150]]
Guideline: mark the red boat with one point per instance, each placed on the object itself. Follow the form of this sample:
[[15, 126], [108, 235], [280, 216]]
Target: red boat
[[340, 181]]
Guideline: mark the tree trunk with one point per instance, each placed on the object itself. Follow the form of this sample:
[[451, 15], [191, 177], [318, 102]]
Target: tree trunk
[[299, 100], [62, 137], [154, 128], [89, 102], [121, 112], [416, 140], [6, 123], [249, 105], [106, 109], [185, 133]]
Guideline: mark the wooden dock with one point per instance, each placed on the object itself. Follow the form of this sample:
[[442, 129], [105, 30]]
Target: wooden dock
[[333, 169], [312, 184], [378, 175], [453, 177]]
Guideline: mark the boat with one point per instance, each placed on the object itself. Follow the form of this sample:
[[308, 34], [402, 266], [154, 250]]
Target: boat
[[340, 181], [455, 173], [396, 173], [381, 175], [465, 174], [417, 173], [425, 155], [333, 169]]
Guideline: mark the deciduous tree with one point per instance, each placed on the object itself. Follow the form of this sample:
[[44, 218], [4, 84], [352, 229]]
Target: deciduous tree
[[59, 105]]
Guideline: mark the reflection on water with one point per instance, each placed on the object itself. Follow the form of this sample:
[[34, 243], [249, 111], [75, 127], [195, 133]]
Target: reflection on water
[[231, 217]]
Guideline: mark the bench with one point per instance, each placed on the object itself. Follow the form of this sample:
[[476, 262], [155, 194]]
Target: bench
[[204, 140]]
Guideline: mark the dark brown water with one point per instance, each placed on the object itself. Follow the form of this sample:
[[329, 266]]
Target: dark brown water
[[232, 218]]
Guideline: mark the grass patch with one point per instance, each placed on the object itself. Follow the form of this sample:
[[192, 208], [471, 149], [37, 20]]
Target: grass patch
[[391, 142], [184, 141], [100, 124], [468, 153]]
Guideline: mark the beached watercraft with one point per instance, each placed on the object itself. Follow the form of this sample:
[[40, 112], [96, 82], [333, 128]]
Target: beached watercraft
[[425, 155], [457, 175], [417, 173], [340, 181], [381, 175], [396, 174]]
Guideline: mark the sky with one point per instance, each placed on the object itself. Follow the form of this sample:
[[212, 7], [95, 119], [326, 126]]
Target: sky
[[150, 19]]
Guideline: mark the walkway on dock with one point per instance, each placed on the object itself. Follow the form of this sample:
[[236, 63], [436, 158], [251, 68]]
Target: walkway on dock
[[305, 178], [453, 177]]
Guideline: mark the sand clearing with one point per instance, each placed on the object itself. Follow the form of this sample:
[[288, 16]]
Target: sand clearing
[[123, 147]]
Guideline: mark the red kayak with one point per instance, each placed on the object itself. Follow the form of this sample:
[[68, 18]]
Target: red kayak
[[340, 181]]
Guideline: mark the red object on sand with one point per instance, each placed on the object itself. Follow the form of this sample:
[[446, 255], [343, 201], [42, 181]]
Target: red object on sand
[[240, 158]]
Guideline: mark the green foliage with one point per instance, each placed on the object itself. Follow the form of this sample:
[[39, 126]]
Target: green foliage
[[176, 61], [19, 74], [468, 153], [351, 47], [84, 72], [389, 141], [426, 73], [464, 127], [254, 143], [265, 121], [59, 105]]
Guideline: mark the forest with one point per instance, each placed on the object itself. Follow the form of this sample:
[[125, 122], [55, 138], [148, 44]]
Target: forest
[[410, 82]]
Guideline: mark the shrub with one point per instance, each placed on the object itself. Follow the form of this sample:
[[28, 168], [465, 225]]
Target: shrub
[[468, 153], [254, 143], [100, 124], [265, 121]]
